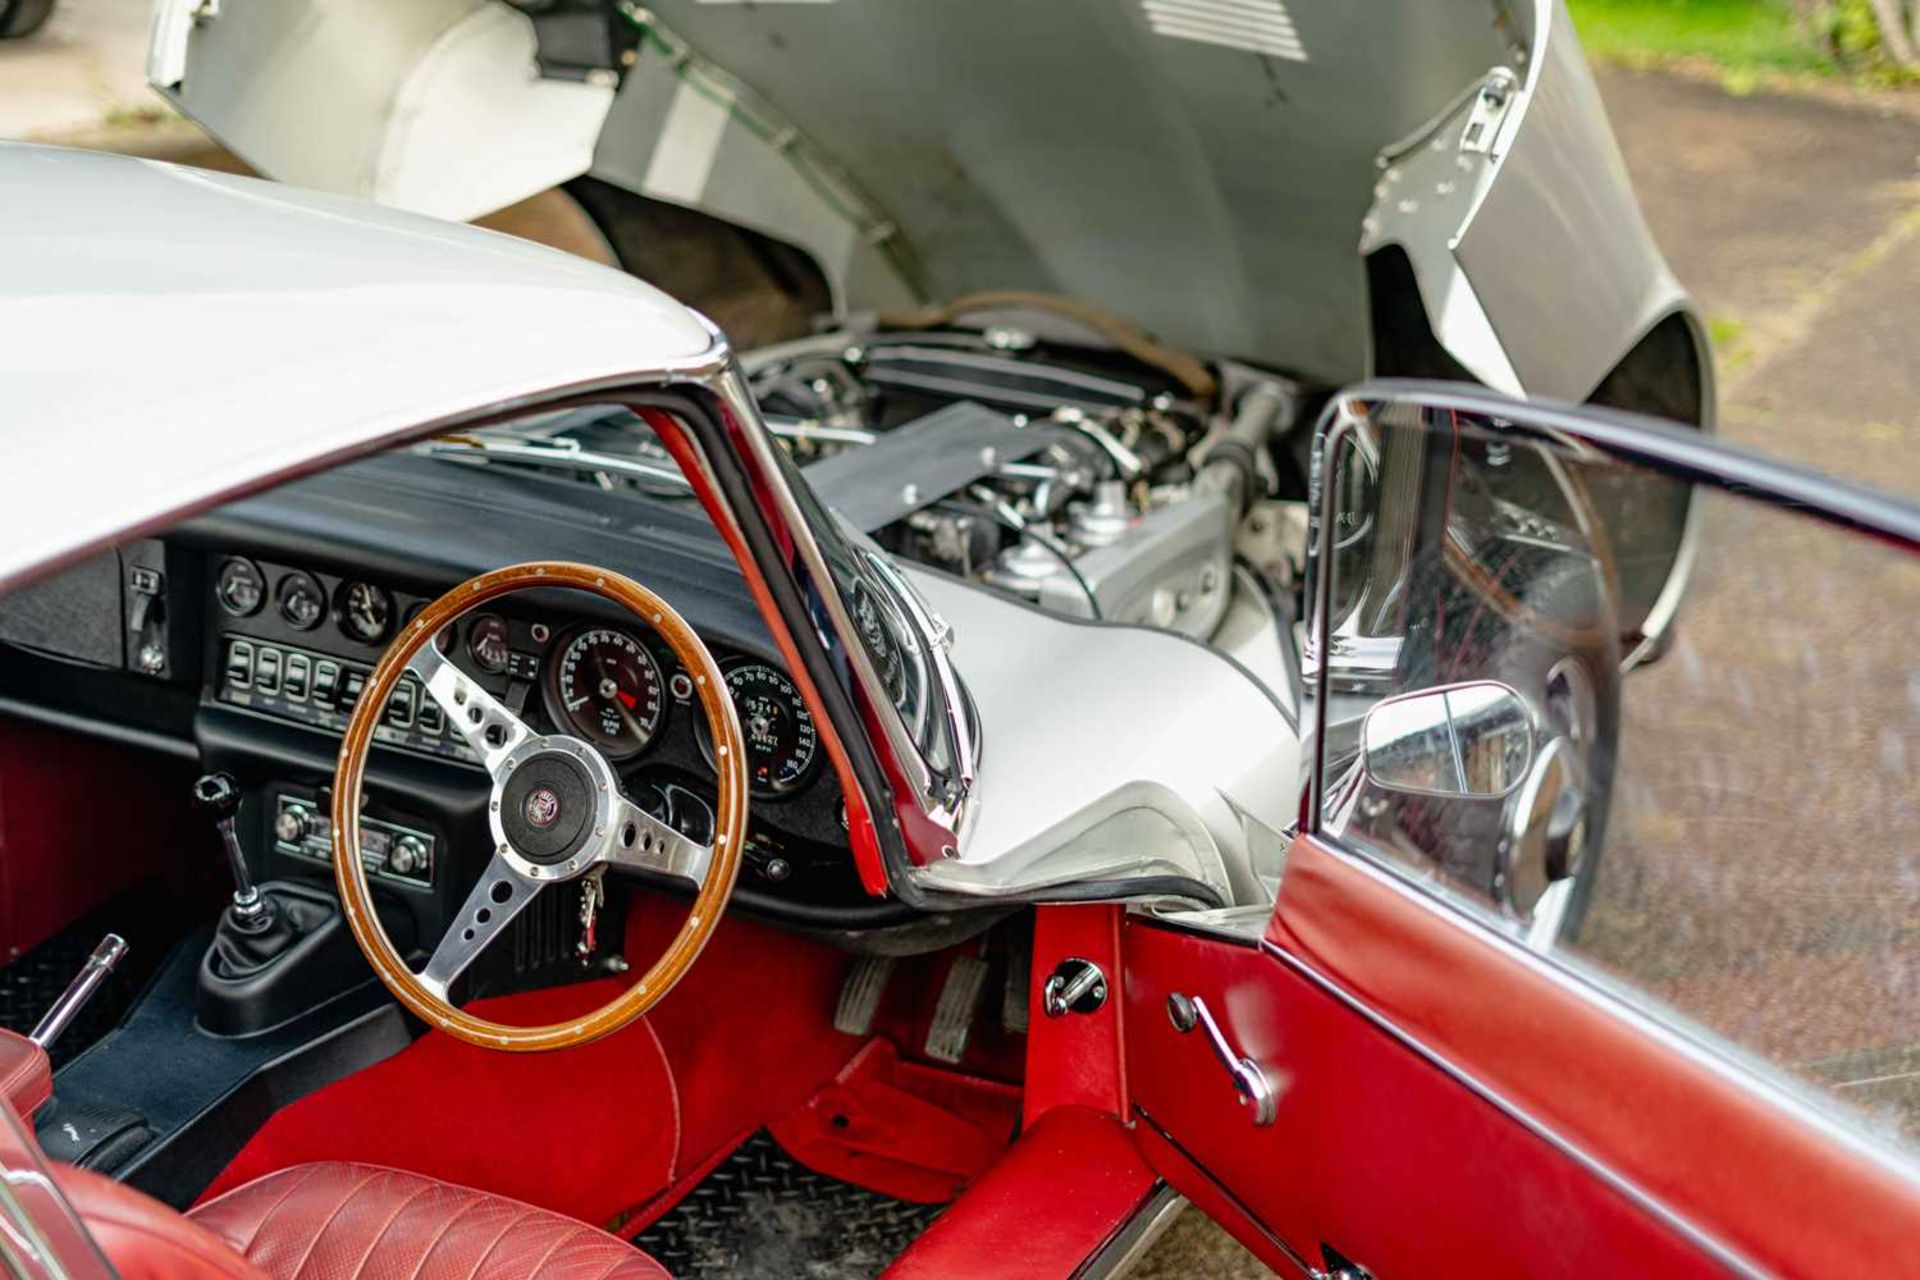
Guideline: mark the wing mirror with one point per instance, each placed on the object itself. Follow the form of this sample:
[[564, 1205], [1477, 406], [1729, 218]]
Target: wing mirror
[[1463, 740]]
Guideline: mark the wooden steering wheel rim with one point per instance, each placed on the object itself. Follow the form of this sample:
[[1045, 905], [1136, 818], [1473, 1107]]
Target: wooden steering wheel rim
[[730, 809]]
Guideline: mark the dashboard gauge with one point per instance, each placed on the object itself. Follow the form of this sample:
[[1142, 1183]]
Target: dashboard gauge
[[606, 688], [365, 612], [302, 602], [781, 743], [487, 642], [241, 588]]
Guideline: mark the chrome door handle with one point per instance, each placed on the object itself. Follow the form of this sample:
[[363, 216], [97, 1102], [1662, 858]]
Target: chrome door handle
[[1249, 1081]]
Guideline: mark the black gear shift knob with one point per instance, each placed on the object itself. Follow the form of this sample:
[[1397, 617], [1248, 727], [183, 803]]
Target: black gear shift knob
[[216, 795]]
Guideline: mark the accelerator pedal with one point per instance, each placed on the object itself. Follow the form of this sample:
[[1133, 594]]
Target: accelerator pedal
[[860, 995], [953, 1016]]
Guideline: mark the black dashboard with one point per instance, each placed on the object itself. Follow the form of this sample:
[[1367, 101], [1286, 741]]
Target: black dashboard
[[243, 637]]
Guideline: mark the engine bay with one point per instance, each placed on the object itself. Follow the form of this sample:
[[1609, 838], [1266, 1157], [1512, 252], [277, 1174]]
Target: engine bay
[[1138, 487]]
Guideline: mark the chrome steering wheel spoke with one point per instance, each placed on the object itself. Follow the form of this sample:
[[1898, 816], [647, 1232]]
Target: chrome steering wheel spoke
[[498, 896], [489, 728], [640, 842]]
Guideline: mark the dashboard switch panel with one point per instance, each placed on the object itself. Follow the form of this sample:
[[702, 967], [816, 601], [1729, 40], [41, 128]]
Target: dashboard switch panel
[[300, 685], [302, 829]]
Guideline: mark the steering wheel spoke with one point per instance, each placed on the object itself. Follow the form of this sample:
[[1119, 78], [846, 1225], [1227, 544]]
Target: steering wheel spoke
[[486, 724], [498, 896], [642, 843]]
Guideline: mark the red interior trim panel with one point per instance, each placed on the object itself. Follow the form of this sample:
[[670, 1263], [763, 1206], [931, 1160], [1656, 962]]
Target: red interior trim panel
[[1056, 1197], [1771, 1186], [1373, 1150]]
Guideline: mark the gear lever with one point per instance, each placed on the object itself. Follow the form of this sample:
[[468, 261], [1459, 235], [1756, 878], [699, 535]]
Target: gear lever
[[218, 796]]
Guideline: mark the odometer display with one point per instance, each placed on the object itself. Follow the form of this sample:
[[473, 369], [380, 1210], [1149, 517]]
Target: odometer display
[[606, 688], [779, 733]]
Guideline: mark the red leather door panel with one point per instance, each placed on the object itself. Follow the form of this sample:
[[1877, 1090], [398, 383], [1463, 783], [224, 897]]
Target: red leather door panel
[[1374, 1151], [1770, 1184], [1450, 1105]]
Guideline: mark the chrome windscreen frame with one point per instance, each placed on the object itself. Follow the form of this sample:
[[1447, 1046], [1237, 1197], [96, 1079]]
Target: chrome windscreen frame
[[922, 773]]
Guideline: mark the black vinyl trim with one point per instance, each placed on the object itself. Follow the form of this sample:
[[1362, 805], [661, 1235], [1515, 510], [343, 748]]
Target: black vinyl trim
[[93, 727]]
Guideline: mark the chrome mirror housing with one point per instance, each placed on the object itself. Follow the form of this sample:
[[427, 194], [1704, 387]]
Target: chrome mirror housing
[[1472, 740]]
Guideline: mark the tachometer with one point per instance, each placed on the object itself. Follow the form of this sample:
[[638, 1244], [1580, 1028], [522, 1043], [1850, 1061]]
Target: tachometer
[[606, 688], [781, 743]]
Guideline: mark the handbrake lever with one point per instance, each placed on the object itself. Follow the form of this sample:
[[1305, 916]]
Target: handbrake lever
[[79, 991]]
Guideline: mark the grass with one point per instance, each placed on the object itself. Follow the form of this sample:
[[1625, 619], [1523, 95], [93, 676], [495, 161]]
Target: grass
[[1749, 42]]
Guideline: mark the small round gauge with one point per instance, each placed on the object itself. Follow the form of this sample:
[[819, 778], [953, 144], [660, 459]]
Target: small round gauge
[[606, 687], [365, 611], [302, 601], [487, 642], [241, 588], [781, 743]]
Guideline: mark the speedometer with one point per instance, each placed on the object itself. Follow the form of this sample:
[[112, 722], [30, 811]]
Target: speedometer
[[782, 745], [606, 689]]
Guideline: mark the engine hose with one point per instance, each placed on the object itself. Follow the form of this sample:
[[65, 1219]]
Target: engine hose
[[1232, 461]]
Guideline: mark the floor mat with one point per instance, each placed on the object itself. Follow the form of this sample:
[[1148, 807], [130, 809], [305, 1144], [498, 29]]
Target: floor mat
[[30, 985], [761, 1213]]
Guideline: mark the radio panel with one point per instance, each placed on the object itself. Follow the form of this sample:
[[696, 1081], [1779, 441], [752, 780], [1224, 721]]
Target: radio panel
[[302, 829]]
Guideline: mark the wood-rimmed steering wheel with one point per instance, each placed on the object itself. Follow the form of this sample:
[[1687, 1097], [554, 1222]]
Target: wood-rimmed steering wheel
[[555, 810]]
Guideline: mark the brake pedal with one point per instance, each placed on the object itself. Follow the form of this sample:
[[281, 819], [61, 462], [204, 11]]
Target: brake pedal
[[860, 995], [1013, 998], [953, 1016]]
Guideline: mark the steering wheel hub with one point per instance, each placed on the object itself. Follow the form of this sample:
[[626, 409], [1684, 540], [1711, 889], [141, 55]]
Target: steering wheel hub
[[547, 807]]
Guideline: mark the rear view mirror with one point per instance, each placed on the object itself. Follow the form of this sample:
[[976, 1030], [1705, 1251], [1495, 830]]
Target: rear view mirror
[[1466, 740]]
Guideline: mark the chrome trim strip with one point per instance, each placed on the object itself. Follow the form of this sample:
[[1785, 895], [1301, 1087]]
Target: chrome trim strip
[[1232, 1197], [1123, 1250]]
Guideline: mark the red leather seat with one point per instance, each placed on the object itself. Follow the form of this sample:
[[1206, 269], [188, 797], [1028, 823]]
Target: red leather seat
[[335, 1221]]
